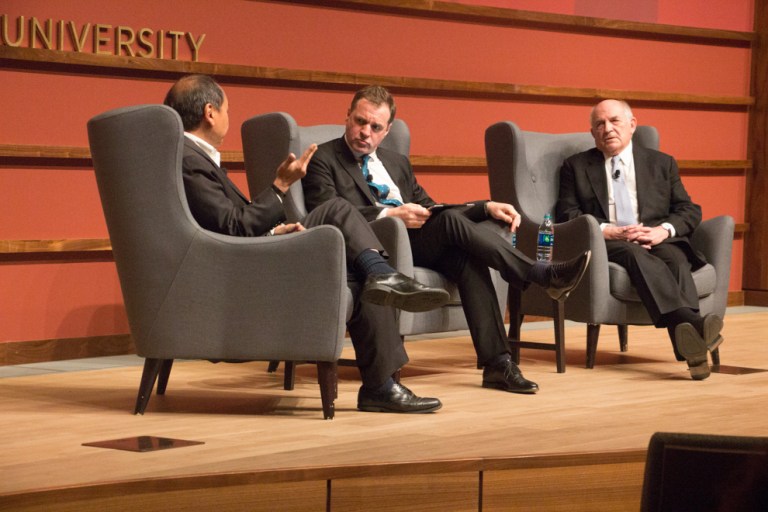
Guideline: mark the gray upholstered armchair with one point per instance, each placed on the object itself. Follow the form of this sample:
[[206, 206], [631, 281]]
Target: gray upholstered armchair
[[524, 170], [193, 294], [269, 138]]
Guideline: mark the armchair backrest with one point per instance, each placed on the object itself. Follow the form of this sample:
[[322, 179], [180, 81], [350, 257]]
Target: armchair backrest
[[137, 155], [269, 138], [524, 167]]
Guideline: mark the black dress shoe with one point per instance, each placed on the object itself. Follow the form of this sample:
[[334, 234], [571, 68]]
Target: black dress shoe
[[397, 399], [402, 292], [565, 275], [693, 348], [508, 377]]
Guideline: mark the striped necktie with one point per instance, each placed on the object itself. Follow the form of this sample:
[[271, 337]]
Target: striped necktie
[[380, 192], [624, 213]]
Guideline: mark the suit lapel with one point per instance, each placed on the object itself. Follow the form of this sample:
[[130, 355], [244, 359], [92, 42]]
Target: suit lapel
[[598, 181], [352, 168], [219, 172]]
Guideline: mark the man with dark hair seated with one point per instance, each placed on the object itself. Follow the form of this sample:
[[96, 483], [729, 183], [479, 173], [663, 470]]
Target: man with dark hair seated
[[218, 205], [381, 183]]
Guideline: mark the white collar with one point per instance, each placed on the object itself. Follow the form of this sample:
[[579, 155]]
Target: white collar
[[207, 148]]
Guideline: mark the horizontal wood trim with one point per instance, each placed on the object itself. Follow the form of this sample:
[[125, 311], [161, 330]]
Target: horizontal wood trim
[[61, 349], [65, 245], [425, 163], [756, 298], [74, 62], [539, 20]]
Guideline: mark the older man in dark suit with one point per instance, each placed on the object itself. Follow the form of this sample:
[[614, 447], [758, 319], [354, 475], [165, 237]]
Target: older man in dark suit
[[218, 205], [646, 216], [381, 183]]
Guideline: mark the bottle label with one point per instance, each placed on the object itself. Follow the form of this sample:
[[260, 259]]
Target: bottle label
[[546, 239]]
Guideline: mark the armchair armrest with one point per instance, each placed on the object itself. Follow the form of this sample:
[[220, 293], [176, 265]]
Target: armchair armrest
[[292, 287], [714, 239]]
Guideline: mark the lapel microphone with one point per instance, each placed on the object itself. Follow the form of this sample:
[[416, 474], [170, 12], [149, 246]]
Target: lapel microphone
[[616, 174]]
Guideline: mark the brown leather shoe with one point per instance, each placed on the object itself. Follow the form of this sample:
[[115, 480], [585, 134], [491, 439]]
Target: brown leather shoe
[[402, 292]]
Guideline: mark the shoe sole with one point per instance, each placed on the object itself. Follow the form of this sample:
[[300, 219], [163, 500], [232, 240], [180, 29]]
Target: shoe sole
[[565, 294], [412, 302], [694, 349], [376, 408], [501, 387]]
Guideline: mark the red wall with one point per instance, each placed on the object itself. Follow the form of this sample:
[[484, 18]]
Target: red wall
[[51, 299]]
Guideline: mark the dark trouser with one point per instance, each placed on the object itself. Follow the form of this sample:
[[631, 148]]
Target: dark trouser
[[661, 275], [462, 250], [379, 350]]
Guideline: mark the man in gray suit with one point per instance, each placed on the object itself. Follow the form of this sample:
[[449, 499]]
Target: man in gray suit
[[218, 205], [646, 217]]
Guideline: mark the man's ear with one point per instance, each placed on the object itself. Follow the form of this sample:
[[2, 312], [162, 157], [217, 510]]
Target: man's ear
[[208, 114]]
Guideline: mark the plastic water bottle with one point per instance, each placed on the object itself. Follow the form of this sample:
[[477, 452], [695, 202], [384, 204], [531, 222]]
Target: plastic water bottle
[[546, 241], [514, 239]]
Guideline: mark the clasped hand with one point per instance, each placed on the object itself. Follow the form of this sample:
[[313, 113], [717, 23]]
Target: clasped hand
[[645, 236]]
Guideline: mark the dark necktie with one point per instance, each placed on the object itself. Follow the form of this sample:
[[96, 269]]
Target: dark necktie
[[380, 192], [624, 213]]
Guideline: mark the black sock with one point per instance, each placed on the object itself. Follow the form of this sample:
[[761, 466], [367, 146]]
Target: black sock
[[371, 262], [383, 388], [538, 273], [500, 359], [683, 315]]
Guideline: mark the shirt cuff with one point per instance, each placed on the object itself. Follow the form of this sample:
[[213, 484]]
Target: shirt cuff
[[279, 193], [669, 227]]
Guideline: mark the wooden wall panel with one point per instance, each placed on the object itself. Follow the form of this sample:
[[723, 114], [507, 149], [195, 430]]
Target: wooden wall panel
[[413, 43], [609, 487], [41, 301], [435, 492]]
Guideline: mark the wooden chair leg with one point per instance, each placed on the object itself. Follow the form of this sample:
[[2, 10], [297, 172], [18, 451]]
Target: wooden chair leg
[[327, 378], [514, 297], [716, 356], [273, 365], [165, 373], [289, 380], [623, 337], [593, 332], [148, 377], [559, 318]]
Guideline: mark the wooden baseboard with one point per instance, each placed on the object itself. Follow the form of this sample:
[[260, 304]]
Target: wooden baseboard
[[42, 351], [755, 297]]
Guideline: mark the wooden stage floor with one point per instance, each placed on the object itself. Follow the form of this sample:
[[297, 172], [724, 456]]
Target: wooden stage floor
[[259, 440]]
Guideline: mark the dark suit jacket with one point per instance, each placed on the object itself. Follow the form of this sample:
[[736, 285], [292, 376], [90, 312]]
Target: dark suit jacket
[[334, 172], [218, 205], [661, 196]]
